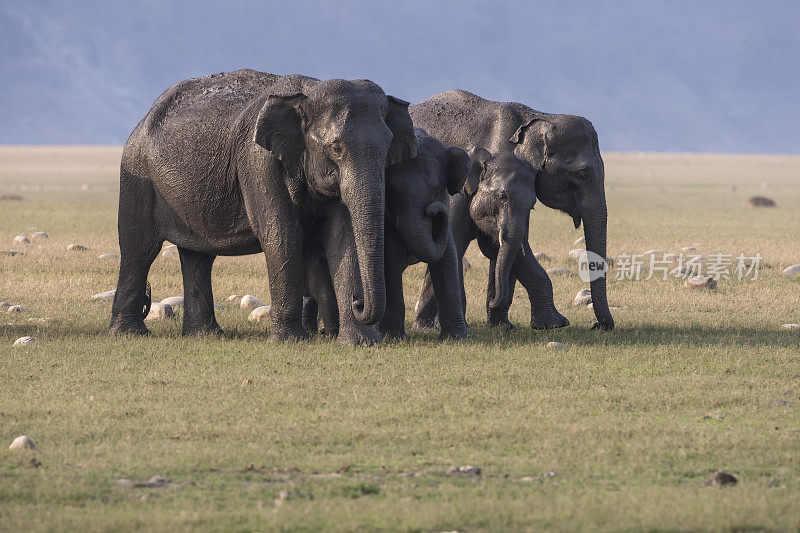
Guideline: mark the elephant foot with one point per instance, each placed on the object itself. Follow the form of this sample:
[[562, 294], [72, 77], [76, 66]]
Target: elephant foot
[[289, 334], [505, 324], [121, 326], [425, 323], [607, 326], [359, 335], [553, 320], [206, 330], [457, 335]]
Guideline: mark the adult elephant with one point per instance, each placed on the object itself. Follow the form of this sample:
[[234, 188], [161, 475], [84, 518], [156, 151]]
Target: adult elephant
[[562, 149], [242, 162]]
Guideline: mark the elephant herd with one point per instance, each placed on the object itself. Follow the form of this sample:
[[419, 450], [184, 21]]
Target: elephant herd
[[342, 187]]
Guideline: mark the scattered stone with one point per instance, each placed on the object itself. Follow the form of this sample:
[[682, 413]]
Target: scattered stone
[[791, 326], [232, 297], [76, 248], [722, 478], [160, 311], [15, 309], [21, 239], [218, 306], [468, 470], [260, 314], [528, 479], [541, 256], [107, 296], [39, 235], [553, 345], [559, 271], [250, 302], [42, 320], [700, 282], [24, 341], [792, 271], [173, 301], [580, 242], [760, 201], [12, 253], [11, 197], [108, 256], [689, 249], [23, 442], [584, 297], [465, 264], [576, 254], [169, 252]]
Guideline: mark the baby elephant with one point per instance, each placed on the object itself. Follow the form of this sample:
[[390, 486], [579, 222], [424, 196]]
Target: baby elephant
[[417, 230], [494, 208]]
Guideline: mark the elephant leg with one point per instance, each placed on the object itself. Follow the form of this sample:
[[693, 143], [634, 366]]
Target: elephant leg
[[321, 307], [393, 323], [139, 244], [340, 248], [533, 277], [498, 317], [448, 287], [198, 300]]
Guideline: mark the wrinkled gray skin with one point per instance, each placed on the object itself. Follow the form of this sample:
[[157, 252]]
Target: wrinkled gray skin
[[417, 230], [494, 207], [562, 149], [243, 162]]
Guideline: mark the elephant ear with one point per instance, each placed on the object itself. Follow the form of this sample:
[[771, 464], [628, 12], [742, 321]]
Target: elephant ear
[[404, 141], [531, 140], [279, 129], [458, 167], [479, 158]]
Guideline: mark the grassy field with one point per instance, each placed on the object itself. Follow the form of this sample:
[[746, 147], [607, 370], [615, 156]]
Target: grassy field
[[620, 431]]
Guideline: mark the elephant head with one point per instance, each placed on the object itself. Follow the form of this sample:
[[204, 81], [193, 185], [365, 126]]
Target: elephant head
[[336, 139], [417, 193], [564, 151], [503, 195]]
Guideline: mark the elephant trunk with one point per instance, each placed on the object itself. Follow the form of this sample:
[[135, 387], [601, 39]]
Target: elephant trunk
[[366, 206], [510, 239], [595, 224], [426, 234]]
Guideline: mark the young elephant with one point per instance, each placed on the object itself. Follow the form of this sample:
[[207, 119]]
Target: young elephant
[[494, 208], [417, 230]]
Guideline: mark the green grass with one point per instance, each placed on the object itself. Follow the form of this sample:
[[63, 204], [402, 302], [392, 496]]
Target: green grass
[[618, 432]]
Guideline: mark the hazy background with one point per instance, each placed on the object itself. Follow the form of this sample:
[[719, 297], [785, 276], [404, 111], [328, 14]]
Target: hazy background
[[667, 76]]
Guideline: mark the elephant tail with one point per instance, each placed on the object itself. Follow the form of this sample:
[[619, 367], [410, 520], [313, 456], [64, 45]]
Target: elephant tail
[[147, 301]]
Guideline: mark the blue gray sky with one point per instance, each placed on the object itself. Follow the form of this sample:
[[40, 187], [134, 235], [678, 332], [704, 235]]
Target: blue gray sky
[[694, 76]]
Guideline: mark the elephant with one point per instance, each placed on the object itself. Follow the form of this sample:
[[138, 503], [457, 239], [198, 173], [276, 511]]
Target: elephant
[[246, 162], [562, 149], [417, 230], [494, 207]]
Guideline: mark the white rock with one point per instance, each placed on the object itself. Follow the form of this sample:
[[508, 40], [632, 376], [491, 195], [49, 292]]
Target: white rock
[[584, 297], [169, 252], [689, 249], [654, 252], [791, 326], [160, 311], [218, 306], [700, 282], [15, 309], [173, 301], [791, 271], [556, 345], [558, 271], [250, 302], [40, 235], [23, 442], [232, 297], [76, 248], [24, 341], [541, 256], [107, 296], [576, 254], [580, 242], [260, 314], [21, 239], [108, 256]]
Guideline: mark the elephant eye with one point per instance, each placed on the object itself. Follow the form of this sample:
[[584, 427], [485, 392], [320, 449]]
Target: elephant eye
[[503, 195]]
